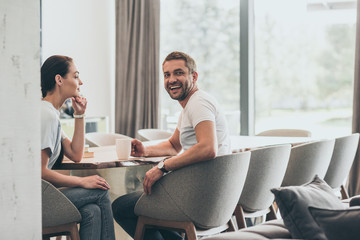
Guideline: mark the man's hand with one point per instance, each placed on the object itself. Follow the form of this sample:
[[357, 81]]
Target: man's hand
[[151, 177], [137, 148]]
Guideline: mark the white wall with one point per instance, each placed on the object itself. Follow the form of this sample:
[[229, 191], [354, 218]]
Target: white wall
[[20, 195], [85, 31]]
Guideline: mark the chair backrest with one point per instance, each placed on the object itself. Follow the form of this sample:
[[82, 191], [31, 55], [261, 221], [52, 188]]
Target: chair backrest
[[307, 160], [153, 134], [204, 193], [266, 171], [285, 133], [57, 209], [97, 139], [343, 156]]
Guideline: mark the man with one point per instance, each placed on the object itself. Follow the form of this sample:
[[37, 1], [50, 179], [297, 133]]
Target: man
[[201, 132]]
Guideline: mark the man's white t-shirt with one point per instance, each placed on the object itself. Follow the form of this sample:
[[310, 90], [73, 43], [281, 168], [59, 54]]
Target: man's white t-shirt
[[203, 107], [51, 132]]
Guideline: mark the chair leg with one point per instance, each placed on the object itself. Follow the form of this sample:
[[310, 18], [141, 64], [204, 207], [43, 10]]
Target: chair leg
[[74, 232], [190, 232], [188, 227], [344, 193], [140, 229], [272, 214], [240, 218], [62, 230]]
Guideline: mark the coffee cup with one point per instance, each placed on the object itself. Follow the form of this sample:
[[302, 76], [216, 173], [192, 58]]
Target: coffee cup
[[123, 148]]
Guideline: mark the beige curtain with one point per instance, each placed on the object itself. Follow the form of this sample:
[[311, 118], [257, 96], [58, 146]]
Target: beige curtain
[[137, 65], [354, 176]]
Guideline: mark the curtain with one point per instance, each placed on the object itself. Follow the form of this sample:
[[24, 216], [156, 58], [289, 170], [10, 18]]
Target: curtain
[[354, 175], [137, 65]]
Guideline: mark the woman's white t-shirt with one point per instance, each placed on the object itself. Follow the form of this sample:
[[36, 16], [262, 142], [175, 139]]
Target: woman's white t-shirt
[[51, 132]]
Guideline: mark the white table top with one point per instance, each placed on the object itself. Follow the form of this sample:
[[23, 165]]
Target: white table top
[[245, 142]]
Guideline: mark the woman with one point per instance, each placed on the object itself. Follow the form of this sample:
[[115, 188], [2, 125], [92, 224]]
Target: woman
[[60, 81]]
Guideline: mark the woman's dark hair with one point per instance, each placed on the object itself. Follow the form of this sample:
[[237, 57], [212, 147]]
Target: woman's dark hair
[[54, 65]]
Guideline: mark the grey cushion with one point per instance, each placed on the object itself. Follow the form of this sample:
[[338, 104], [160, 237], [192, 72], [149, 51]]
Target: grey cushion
[[266, 171], [293, 202], [274, 229], [205, 193], [338, 224], [57, 209], [343, 156], [354, 201], [306, 160]]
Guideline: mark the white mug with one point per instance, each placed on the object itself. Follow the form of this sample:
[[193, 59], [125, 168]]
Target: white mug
[[123, 148]]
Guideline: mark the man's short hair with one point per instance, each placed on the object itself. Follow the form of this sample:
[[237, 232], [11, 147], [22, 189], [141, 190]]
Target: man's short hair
[[189, 61]]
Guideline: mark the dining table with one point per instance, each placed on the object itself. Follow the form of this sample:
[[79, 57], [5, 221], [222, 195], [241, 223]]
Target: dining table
[[126, 175], [106, 157]]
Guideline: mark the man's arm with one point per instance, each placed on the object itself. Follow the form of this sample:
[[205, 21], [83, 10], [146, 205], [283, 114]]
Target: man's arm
[[169, 147], [205, 149]]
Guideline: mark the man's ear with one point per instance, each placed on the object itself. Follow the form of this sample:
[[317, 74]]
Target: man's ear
[[58, 79], [194, 76]]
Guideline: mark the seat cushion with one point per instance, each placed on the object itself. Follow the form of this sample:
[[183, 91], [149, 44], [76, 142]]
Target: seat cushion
[[338, 224], [274, 229], [294, 201]]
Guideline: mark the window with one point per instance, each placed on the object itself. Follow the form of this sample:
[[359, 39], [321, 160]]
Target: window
[[209, 32], [304, 60], [304, 65]]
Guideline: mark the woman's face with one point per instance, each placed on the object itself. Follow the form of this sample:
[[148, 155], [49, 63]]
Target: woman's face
[[72, 82]]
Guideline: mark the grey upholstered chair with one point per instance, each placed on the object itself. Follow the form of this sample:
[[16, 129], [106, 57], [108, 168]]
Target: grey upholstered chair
[[341, 161], [198, 196], [266, 171], [96, 139], [307, 160], [285, 133], [149, 134], [59, 215]]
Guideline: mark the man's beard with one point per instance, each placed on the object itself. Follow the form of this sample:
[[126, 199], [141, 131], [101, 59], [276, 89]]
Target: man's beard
[[185, 90]]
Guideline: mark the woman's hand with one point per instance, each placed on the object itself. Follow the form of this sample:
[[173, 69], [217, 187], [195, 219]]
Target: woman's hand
[[94, 181], [79, 104], [151, 177], [137, 148]]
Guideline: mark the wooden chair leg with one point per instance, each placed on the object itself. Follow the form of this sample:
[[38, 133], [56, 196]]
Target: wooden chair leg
[[275, 206], [143, 222], [74, 232], [62, 230], [344, 193], [190, 232], [240, 218], [272, 214], [140, 229]]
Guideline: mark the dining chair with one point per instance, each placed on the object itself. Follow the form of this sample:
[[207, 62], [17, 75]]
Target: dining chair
[[148, 134], [96, 139], [307, 160], [342, 158], [285, 133], [198, 199], [59, 215], [266, 171]]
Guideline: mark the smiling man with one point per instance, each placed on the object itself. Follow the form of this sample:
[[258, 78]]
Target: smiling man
[[201, 132]]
